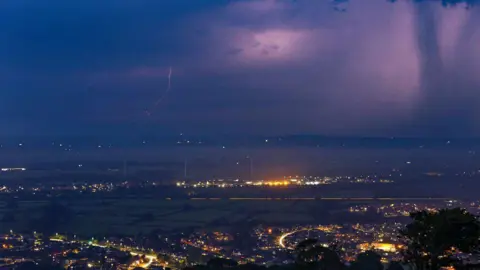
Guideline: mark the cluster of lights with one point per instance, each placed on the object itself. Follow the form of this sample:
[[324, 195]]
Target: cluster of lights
[[379, 237], [393, 210], [385, 247], [270, 183], [12, 169], [286, 181]]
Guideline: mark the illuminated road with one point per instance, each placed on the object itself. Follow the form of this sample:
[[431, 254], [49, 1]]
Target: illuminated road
[[281, 239], [151, 258], [12, 261], [142, 265]]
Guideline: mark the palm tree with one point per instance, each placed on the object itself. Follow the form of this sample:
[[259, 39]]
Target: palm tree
[[434, 235]]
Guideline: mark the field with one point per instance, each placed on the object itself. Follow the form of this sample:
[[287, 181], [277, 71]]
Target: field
[[133, 216]]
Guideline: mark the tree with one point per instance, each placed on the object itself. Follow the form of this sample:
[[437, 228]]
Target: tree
[[162, 257], [311, 253], [435, 235], [125, 259], [197, 267], [368, 260], [305, 251], [220, 263], [250, 266], [395, 266]]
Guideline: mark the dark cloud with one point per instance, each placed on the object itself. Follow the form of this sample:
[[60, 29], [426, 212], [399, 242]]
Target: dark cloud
[[235, 51]]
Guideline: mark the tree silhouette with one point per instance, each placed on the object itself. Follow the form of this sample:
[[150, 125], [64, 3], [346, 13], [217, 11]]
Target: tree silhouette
[[435, 235], [367, 260], [197, 267], [125, 259], [220, 263], [310, 253], [395, 266], [250, 266], [162, 257]]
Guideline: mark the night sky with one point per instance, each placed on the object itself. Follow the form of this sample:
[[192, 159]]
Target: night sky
[[365, 68]]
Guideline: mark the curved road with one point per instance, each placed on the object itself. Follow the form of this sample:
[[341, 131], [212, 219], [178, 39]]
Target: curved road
[[281, 239]]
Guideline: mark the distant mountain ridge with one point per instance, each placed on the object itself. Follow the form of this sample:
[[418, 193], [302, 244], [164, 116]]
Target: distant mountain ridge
[[300, 140]]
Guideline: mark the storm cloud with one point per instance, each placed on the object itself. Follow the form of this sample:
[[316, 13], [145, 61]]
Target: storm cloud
[[272, 67]]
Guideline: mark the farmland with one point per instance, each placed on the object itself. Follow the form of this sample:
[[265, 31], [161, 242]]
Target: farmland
[[133, 216]]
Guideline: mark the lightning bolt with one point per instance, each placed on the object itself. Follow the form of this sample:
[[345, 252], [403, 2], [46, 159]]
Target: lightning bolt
[[169, 76], [164, 95], [168, 88]]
